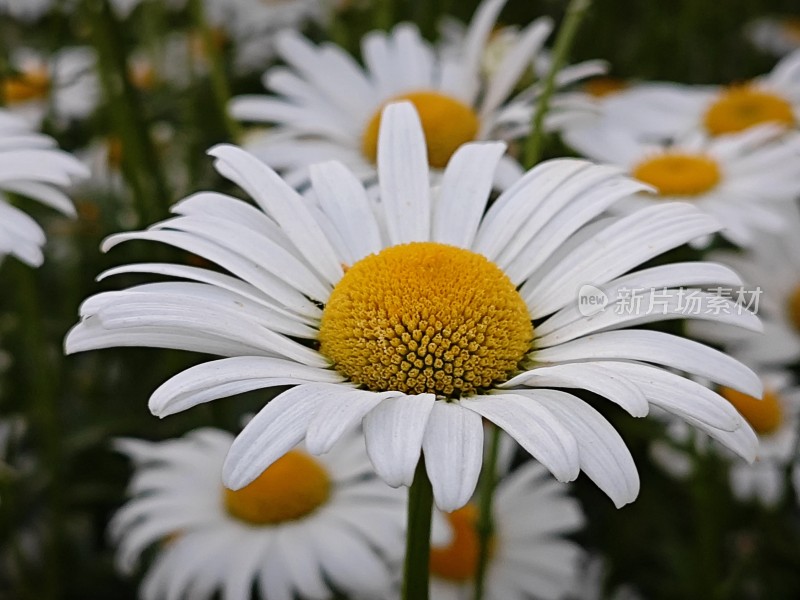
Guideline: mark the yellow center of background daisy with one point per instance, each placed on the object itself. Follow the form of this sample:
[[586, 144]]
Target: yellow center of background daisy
[[765, 416], [447, 123], [458, 561], [30, 85], [677, 174], [425, 318], [741, 107], [793, 308], [293, 486], [600, 87]]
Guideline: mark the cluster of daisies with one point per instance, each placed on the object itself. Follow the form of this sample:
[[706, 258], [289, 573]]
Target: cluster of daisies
[[407, 297]]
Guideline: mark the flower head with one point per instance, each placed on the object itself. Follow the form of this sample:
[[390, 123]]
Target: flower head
[[743, 179], [328, 107], [303, 526], [422, 314], [528, 553]]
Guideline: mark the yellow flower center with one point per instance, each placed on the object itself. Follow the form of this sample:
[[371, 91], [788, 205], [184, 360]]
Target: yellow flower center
[[447, 123], [765, 416], [292, 487], [29, 85], [600, 87], [458, 561], [741, 107], [426, 317], [676, 174], [793, 307]]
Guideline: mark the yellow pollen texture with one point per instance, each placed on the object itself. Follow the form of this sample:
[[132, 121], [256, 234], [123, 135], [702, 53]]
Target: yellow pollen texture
[[793, 308], [425, 318], [765, 416], [741, 107], [448, 123], [292, 487], [678, 174], [458, 561], [29, 85]]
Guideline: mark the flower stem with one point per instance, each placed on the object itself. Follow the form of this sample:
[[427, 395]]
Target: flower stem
[[418, 540], [485, 525], [566, 35], [219, 83], [141, 164], [40, 375]]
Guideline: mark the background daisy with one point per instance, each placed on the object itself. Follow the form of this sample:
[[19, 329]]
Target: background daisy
[[30, 167], [328, 107], [306, 525], [741, 179], [529, 555]]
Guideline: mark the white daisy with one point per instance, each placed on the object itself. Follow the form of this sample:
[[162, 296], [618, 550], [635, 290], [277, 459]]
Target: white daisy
[[528, 554], [328, 107], [771, 270], [30, 166], [303, 526], [65, 83], [741, 179], [415, 316], [659, 110]]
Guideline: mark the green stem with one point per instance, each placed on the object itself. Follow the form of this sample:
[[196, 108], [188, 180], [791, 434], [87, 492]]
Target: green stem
[[141, 164], [485, 525], [39, 378], [418, 541], [383, 14], [566, 35], [219, 83]]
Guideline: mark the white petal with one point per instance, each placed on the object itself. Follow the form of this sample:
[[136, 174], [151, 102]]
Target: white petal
[[453, 448], [394, 431], [276, 429], [344, 201], [623, 245], [604, 456], [403, 174], [592, 376], [220, 378], [339, 414], [534, 427], [661, 348], [283, 204], [465, 189]]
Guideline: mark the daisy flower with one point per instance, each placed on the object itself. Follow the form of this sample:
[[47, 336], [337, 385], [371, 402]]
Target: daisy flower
[[328, 107], [528, 553], [32, 167], [415, 316], [771, 269], [304, 526], [741, 179], [66, 80], [659, 110]]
